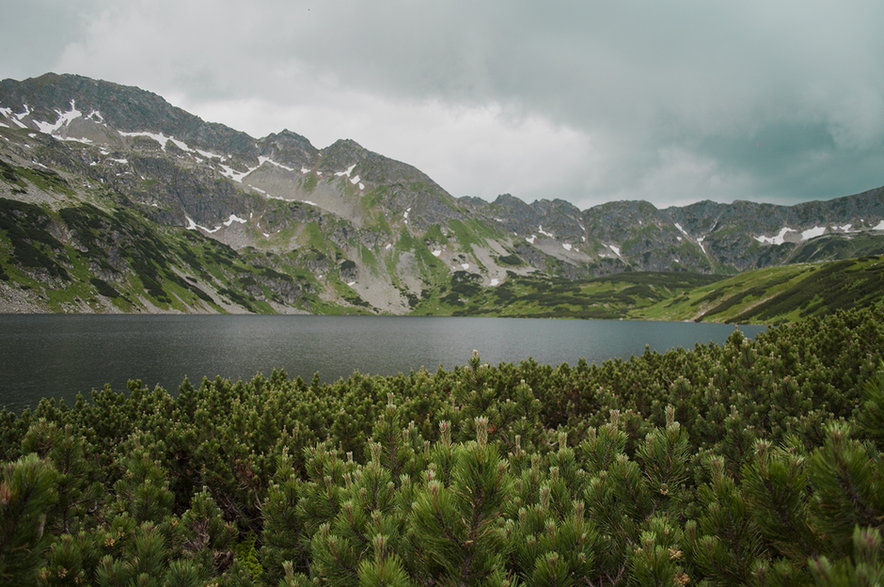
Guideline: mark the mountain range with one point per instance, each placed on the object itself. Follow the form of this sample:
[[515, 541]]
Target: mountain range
[[113, 200]]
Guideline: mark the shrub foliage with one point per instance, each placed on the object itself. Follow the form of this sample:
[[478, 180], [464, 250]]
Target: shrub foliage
[[751, 462]]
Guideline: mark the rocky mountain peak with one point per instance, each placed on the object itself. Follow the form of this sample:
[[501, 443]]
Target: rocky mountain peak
[[508, 201], [289, 148], [52, 99], [341, 155]]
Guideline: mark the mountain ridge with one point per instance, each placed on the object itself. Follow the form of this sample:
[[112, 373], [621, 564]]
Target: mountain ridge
[[366, 232]]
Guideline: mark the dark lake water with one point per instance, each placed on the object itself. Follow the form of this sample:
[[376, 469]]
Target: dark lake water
[[60, 355]]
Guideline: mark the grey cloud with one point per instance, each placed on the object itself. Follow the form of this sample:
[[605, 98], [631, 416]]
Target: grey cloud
[[786, 93], [680, 100], [33, 33]]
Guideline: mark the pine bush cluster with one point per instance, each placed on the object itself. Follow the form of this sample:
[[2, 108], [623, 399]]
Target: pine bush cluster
[[753, 462]]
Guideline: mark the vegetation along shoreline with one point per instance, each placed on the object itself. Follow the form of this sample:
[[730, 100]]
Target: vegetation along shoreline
[[755, 461]]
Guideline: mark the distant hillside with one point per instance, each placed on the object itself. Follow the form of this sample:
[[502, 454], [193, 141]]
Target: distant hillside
[[611, 297], [778, 294], [762, 296]]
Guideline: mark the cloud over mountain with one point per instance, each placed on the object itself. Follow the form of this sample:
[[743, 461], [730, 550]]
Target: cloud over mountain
[[589, 101]]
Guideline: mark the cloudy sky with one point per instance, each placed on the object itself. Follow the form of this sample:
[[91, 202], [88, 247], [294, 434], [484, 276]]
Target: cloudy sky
[[585, 100]]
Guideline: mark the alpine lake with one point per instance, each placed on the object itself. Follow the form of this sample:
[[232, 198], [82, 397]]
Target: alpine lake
[[59, 356]]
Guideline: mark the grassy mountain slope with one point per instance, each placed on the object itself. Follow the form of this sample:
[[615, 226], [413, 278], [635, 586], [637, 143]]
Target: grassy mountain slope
[[765, 296], [778, 294], [83, 258], [387, 245], [537, 296]]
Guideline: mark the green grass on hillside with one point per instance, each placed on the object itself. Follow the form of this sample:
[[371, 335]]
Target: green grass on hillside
[[133, 264], [608, 297], [778, 294], [765, 296]]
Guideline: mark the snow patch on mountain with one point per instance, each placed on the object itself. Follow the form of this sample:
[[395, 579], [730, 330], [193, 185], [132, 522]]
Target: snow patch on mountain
[[813, 232], [158, 137], [164, 140], [346, 172], [191, 225], [777, 239], [17, 116], [210, 155], [262, 160], [64, 119], [75, 140], [234, 218], [235, 175]]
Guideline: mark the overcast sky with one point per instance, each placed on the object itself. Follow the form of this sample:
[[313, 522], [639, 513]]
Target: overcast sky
[[589, 101]]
